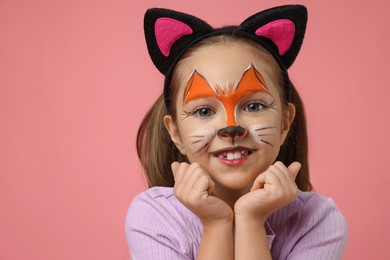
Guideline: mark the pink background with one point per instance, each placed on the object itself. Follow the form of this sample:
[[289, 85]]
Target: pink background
[[76, 79]]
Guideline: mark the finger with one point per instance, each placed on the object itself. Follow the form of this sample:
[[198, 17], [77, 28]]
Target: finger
[[202, 185], [174, 167], [211, 186], [189, 175], [199, 172], [283, 173], [288, 177], [294, 169], [180, 187], [193, 170], [269, 177], [259, 182], [178, 170]]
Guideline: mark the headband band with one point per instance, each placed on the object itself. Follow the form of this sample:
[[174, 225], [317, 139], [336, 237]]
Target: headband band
[[170, 33]]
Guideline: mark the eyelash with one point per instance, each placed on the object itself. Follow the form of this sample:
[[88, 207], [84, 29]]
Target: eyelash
[[261, 104], [196, 111]]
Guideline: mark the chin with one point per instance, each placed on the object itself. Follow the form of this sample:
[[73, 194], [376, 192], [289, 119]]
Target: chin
[[236, 180]]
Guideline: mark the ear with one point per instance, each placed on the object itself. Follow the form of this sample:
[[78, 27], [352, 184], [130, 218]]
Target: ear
[[281, 29], [173, 131], [288, 118], [169, 33]]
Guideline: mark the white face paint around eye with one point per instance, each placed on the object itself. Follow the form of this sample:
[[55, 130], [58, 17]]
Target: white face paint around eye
[[200, 139]]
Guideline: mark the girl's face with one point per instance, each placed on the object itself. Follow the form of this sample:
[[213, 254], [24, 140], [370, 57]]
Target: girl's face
[[229, 114]]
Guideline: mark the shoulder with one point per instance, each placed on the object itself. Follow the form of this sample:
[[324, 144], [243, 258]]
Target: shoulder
[[152, 196], [310, 225], [155, 216], [158, 204], [318, 209], [311, 206], [314, 210]]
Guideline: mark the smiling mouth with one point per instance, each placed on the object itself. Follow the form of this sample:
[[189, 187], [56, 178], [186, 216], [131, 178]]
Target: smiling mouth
[[233, 153]]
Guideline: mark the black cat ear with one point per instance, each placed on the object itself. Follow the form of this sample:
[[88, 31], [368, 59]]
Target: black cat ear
[[169, 33], [280, 29]]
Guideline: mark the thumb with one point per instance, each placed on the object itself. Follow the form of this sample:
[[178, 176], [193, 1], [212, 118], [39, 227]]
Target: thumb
[[294, 168], [174, 167], [211, 188]]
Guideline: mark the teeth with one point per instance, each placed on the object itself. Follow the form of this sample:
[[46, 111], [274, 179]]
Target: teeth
[[233, 155]]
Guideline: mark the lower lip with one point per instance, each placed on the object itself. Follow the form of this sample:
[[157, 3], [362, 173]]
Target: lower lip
[[234, 162]]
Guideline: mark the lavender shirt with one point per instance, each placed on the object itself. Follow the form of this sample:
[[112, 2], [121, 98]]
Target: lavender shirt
[[158, 226]]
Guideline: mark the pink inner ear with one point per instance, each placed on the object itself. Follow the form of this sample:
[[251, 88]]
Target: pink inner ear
[[281, 32], [168, 31]]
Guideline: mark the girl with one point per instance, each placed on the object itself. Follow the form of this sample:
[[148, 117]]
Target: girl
[[224, 148]]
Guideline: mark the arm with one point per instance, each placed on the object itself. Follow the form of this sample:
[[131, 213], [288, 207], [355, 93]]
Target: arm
[[324, 234], [217, 242], [271, 191], [193, 188], [151, 233], [251, 239]]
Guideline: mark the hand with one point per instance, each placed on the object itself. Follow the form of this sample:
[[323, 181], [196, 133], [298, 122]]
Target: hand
[[194, 188], [271, 190]]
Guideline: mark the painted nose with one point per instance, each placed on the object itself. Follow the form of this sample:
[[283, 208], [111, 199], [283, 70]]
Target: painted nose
[[232, 132]]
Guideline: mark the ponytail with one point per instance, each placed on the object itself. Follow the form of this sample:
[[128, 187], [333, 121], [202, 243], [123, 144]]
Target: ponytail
[[155, 149], [295, 147]]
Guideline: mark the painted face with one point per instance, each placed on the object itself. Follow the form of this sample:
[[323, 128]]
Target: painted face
[[229, 112], [229, 96], [240, 102]]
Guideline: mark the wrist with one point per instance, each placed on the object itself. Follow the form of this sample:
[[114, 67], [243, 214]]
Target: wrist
[[217, 228], [252, 219], [212, 224]]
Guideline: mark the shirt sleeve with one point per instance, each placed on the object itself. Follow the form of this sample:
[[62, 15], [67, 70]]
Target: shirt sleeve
[[151, 232], [324, 235]]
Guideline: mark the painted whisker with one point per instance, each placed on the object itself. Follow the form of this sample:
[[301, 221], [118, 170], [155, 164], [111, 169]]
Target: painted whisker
[[259, 132], [195, 142], [266, 142], [264, 128], [200, 139], [266, 134]]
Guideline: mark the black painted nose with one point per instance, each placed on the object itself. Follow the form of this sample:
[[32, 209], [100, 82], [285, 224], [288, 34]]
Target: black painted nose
[[232, 132]]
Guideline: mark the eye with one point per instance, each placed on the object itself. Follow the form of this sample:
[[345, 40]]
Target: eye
[[204, 112], [254, 107]]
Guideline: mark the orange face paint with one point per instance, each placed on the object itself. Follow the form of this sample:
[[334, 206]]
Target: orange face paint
[[198, 87]]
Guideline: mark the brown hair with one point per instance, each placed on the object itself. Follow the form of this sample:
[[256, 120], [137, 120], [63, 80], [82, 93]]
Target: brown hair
[[157, 152]]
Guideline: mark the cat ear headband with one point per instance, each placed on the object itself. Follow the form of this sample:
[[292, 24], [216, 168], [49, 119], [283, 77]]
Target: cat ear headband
[[169, 34]]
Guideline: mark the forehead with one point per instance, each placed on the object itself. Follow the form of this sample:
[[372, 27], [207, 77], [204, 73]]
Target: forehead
[[224, 64]]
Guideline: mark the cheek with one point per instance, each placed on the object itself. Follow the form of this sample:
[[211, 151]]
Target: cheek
[[197, 140], [265, 130], [264, 134]]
